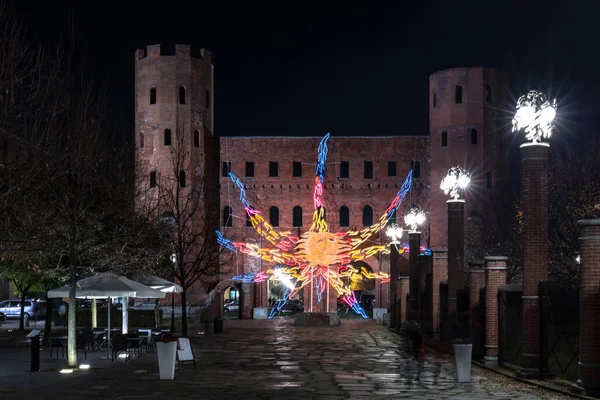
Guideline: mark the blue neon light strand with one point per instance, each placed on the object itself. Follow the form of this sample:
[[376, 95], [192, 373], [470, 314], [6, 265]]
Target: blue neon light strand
[[222, 241], [322, 158], [404, 189]]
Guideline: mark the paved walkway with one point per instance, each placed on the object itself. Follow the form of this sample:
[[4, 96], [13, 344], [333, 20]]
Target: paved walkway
[[275, 360]]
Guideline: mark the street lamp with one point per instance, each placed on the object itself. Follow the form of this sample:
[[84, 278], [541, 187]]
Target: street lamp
[[174, 261], [394, 232], [534, 115], [414, 218], [457, 179]]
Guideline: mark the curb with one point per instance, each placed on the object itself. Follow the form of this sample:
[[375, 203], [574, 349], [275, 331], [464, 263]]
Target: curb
[[532, 382], [429, 343]]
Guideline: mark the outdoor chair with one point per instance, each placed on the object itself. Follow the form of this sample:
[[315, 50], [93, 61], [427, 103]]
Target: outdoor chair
[[57, 344], [88, 337], [119, 344], [81, 344], [133, 343]]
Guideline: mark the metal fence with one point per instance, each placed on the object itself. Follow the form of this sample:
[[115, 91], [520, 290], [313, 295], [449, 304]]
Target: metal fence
[[510, 324], [559, 329]]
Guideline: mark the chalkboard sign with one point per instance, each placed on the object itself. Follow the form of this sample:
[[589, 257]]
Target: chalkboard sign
[[184, 351]]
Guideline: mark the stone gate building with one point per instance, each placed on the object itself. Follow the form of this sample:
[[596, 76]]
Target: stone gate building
[[174, 97]]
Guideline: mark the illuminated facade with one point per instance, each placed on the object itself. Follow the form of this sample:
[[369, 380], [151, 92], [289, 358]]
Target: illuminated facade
[[362, 175]]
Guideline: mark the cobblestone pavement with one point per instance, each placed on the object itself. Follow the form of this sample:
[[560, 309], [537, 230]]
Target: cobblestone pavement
[[275, 360]]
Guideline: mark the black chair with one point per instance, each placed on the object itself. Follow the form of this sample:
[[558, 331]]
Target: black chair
[[57, 344], [81, 344], [119, 344], [88, 337], [133, 343]]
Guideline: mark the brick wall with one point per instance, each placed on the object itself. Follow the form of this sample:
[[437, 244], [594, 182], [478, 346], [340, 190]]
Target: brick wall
[[495, 276], [589, 307], [476, 283]]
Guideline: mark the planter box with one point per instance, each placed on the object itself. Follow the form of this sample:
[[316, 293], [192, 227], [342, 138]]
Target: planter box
[[462, 361], [166, 353]]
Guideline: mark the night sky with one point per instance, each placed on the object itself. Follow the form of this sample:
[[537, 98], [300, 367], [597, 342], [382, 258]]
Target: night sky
[[303, 68]]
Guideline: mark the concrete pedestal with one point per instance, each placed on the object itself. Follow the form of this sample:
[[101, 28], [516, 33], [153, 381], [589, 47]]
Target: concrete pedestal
[[260, 313]]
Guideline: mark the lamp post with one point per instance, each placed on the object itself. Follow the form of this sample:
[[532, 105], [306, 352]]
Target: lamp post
[[457, 180], [414, 219], [174, 261], [534, 115]]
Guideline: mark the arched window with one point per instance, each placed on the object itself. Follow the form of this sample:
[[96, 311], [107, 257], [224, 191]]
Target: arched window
[[489, 95], [473, 136], [458, 94], [196, 138], [152, 179], [167, 137], [297, 217], [367, 216], [488, 180], [227, 217], [344, 217], [141, 140], [434, 100], [152, 95], [181, 94], [274, 216], [182, 179], [444, 139], [248, 221]]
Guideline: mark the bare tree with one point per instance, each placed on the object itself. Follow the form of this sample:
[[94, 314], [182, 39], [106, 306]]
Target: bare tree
[[186, 208]]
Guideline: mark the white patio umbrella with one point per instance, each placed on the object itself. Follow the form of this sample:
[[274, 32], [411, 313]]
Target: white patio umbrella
[[106, 286], [154, 282]]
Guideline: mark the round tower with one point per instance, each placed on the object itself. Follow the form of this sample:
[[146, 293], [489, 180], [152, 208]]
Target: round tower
[[468, 129], [173, 105], [174, 131]]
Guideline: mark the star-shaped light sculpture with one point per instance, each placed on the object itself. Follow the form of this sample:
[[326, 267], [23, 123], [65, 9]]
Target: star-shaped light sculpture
[[317, 257], [457, 179], [534, 115], [414, 218]]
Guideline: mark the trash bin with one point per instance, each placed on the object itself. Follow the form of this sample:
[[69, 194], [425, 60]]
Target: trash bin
[[218, 325]]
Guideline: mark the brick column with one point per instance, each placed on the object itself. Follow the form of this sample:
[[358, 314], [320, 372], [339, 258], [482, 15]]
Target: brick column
[[247, 300], [404, 288], [414, 243], [476, 283], [439, 272], [456, 257], [394, 286], [589, 307], [535, 251], [495, 276]]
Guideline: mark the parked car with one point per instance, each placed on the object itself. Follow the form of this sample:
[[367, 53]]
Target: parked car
[[146, 305], [231, 305], [12, 309]]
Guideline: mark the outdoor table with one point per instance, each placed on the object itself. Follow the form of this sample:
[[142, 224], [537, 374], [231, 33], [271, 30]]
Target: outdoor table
[[63, 342]]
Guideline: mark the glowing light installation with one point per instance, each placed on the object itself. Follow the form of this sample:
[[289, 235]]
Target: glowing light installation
[[456, 180], [414, 218], [318, 256], [534, 115]]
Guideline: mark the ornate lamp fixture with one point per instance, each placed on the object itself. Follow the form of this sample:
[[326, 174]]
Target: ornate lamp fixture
[[414, 218], [395, 233], [534, 115], [456, 179]]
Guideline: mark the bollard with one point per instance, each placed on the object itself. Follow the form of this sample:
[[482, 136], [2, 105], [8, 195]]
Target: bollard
[[35, 353], [218, 325]]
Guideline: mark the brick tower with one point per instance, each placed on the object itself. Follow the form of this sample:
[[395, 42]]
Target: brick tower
[[174, 106], [468, 130]]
